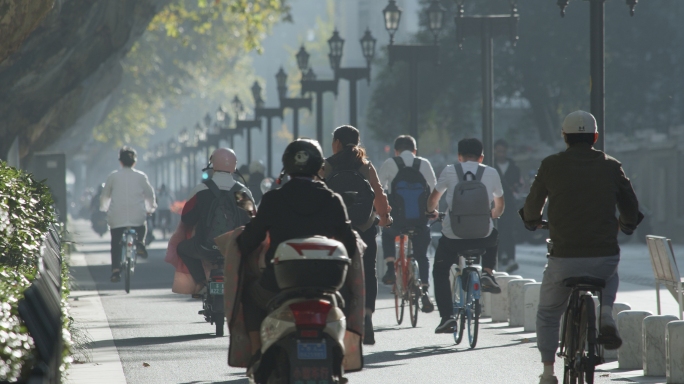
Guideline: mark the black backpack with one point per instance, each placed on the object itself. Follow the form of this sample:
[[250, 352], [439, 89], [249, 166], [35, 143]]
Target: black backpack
[[410, 192], [224, 214], [356, 192]]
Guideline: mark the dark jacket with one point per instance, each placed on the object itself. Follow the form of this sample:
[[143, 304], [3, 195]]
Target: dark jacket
[[583, 187], [301, 208], [510, 180]]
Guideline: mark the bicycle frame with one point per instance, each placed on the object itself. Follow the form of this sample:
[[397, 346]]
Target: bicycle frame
[[405, 267]]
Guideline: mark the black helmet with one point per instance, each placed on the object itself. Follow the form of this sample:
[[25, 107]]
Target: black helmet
[[303, 156]]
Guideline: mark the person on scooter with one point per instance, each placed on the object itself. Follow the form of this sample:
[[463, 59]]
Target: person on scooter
[[198, 211], [303, 207]]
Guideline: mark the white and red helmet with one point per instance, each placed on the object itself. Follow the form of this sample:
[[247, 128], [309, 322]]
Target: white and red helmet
[[223, 160]]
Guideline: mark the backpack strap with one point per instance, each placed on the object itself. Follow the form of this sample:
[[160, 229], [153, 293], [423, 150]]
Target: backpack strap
[[459, 171], [480, 171], [416, 164], [211, 184], [400, 162]]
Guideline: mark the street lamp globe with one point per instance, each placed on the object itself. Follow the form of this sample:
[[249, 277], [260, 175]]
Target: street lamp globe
[[220, 115], [392, 15], [256, 94], [368, 46], [238, 107], [436, 14], [302, 59], [336, 44], [310, 75], [281, 81]]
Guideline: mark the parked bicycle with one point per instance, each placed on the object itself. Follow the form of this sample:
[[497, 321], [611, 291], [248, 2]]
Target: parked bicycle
[[407, 285], [129, 255]]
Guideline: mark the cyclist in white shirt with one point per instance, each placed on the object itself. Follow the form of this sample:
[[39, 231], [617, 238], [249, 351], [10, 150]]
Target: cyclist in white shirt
[[470, 156], [127, 198], [405, 148]]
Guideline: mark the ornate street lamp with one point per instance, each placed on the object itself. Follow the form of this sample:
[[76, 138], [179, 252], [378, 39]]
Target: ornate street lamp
[[281, 82], [256, 95], [302, 59], [238, 108], [392, 14], [310, 75], [435, 18], [368, 46], [269, 113], [207, 120], [220, 116], [336, 44]]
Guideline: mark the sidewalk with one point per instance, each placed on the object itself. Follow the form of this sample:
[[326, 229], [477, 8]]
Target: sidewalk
[[104, 365]]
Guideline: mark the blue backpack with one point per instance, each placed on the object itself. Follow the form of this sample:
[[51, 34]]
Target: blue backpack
[[409, 195]]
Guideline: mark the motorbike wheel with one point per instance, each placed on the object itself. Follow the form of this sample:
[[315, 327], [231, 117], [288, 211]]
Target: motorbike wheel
[[281, 372], [219, 319], [127, 273]]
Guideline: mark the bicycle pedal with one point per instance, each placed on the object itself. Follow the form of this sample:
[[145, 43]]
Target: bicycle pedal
[[200, 312]]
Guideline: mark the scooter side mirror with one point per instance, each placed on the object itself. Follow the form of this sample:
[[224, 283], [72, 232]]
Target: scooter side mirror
[[266, 185], [244, 201]]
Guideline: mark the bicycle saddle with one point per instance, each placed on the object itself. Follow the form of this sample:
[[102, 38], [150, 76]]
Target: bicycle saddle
[[571, 282], [472, 253]]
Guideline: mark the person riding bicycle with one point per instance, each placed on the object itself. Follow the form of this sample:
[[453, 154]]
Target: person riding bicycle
[[583, 186], [487, 190], [201, 209], [303, 207], [414, 177], [349, 172], [127, 197]]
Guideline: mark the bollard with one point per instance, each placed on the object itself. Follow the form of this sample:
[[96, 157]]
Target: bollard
[[629, 325], [654, 344], [516, 302], [499, 303], [617, 308], [674, 352], [486, 305], [531, 295]]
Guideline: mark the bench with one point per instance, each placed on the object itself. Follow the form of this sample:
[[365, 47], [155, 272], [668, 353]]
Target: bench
[[665, 268]]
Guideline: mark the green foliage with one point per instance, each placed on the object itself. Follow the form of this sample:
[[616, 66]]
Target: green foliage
[[191, 49], [548, 68], [25, 215]]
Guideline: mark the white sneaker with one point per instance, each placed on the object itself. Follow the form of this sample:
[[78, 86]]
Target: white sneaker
[[548, 379]]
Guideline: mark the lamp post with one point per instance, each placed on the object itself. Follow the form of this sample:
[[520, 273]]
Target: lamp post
[[269, 113], [413, 54], [487, 27], [597, 62], [296, 103], [351, 74], [311, 84], [242, 124], [225, 132]]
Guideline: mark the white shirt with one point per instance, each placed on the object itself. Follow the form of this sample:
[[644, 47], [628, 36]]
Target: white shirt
[[127, 197], [448, 181], [389, 169]]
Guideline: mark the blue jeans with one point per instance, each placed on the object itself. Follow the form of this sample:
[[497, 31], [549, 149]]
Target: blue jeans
[[554, 295]]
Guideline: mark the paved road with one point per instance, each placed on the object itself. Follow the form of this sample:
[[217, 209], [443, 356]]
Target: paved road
[[160, 338]]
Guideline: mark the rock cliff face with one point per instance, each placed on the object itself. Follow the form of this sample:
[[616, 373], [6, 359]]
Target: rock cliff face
[[65, 66]]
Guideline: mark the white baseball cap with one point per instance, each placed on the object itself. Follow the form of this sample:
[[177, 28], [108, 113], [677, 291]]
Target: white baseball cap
[[579, 122]]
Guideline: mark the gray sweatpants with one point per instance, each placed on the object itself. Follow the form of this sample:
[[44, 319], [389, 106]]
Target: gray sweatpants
[[554, 296]]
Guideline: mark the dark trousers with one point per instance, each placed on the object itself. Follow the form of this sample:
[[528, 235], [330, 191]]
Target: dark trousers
[[421, 242], [369, 270], [447, 255], [117, 233], [506, 227], [192, 254], [255, 300]]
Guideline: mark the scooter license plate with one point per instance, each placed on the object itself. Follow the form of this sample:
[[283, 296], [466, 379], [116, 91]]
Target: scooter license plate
[[311, 351], [215, 288]]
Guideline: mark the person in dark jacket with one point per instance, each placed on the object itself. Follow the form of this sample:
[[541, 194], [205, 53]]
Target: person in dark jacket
[[303, 207], [583, 186], [349, 155], [511, 182]]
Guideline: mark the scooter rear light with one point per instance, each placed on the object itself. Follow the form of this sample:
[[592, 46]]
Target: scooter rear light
[[309, 333], [218, 279], [311, 314]]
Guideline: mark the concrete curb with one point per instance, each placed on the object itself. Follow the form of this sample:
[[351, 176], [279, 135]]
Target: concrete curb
[[104, 366]]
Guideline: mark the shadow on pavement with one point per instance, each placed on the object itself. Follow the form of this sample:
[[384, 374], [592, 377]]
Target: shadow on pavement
[[415, 353], [143, 341]]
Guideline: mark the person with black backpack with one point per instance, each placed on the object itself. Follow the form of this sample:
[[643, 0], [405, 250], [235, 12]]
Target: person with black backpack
[[349, 173], [471, 188], [212, 211], [408, 180]]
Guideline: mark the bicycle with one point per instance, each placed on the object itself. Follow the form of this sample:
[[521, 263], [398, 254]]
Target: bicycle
[[579, 346], [466, 296], [407, 285], [129, 255]]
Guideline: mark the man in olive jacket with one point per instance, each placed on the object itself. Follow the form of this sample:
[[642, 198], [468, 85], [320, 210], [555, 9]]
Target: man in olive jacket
[[583, 186]]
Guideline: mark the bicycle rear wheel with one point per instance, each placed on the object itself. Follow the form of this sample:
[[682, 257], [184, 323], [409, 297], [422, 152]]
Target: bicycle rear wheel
[[127, 278], [588, 337], [473, 320], [398, 304], [459, 315], [414, 305]]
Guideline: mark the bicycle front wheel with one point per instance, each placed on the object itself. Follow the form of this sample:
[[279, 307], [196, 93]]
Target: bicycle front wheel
[[473, 320], [459, 316], [398, 303], [414, 297]]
